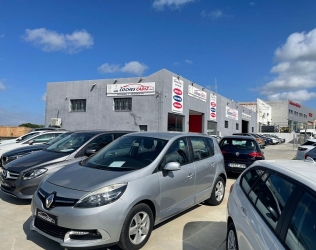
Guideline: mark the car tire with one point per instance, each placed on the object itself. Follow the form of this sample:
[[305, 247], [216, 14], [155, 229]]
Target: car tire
[[231, 237], [141, 219], [218, 192]]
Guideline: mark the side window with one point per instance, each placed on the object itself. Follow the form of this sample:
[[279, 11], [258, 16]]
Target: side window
[[200, 148], [178, 152], [249, 179], [302, 230], [43, 138], [118, 135], [211, 144], [272, 196], [100, 142]]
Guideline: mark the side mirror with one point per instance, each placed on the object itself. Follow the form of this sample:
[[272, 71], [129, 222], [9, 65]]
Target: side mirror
[[172, 166], [90, 151], [31, 142]]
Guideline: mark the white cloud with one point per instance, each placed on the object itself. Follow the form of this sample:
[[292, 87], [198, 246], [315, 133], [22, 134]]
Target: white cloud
[[133, 67], [175, 63], [215, 14], [160, 4], [49, 41], [297, 96], [44, 97], [295, 69], [188, 61], [107, 68], [2, 87]]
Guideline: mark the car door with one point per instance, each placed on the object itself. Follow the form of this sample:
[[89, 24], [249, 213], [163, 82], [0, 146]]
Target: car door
[[176, 187], [262, 199], [205, 166]]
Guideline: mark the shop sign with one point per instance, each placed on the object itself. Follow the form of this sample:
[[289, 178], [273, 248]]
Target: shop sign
[[310, 114], [123, 89], [295, 104], [245, 116], [213, 107], [177, 95], [231, 113], [197, 93]]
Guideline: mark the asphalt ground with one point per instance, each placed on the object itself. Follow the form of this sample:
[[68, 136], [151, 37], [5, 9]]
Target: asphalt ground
[[202, 227]]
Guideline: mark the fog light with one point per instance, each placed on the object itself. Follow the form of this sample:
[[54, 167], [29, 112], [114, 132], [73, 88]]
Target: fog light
[[85, 235]]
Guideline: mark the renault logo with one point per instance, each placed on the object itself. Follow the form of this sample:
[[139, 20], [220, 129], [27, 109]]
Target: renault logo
[[4, 173], [49, 200], [237, 153]]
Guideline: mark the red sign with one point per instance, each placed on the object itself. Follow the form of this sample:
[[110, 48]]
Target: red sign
[[177, 105], [213, 104], [295, 104], [213, 115], [310, 114], [177, 91]]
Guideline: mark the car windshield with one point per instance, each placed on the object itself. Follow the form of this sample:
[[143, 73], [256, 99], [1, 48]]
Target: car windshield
[[70, 143], [58, 138], [27, 136], [127, 153], [238, 143]]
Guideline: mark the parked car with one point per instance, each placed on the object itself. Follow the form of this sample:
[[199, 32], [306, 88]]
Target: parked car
[[303, 149], [120, 193], [42, 137], [46, 129], [25, 150], [21, 177], [311, 154], [281, 139], [258, 138], [217, 137], [21, 138], [240, 152], [275, 140], [267, 140], [272, 205]]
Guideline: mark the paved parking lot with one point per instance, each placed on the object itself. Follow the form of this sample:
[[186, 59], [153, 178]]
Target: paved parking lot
[[200, 228]]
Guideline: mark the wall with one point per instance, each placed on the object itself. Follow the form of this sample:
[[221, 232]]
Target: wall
[[13, 132]]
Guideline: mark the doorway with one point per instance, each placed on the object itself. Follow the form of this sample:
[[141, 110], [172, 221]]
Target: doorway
[[195, 121], [244, 126]]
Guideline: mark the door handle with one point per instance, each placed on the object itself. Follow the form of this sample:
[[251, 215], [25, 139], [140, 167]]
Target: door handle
[[190, 176], [244, 212]]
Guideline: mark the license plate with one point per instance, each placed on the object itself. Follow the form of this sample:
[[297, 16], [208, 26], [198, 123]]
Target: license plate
[[236, 165], [46, 217]]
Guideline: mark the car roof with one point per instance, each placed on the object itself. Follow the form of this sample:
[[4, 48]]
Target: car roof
[[96, 132], [167, 135], [239, 137], [302, 171]]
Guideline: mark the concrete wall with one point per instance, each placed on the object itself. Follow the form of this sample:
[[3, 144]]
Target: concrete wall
[[13, 132]]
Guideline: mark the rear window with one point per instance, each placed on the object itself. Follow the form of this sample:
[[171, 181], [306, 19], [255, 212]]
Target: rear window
[[309, 143], [238, 143]]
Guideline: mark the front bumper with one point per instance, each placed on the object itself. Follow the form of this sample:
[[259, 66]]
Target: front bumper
[[106, 220]]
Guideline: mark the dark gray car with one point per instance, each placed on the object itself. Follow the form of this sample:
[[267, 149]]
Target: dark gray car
[[21, 177]]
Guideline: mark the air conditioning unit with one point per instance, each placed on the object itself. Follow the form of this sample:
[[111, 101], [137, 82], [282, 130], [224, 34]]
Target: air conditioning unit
[[55, 122]]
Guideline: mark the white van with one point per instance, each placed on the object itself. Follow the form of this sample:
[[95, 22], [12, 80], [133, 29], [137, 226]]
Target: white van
[[310, 133]]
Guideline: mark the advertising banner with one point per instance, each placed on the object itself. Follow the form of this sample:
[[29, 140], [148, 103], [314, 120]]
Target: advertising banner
[[213, 107], [177, 95], [197, 93], [245, 116], [231, 113], [124, 89]]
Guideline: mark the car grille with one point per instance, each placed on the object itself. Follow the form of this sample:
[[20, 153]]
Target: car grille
[[58, 201], [50, 229], [8, 175]]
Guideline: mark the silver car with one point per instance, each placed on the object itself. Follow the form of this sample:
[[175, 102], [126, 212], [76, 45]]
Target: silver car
[[272, 205], [136, 182]]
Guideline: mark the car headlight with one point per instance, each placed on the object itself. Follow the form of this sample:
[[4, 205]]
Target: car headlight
[[102, 196], [33, 173]]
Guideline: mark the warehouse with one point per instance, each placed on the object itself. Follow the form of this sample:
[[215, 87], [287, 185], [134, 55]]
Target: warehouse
[[163, 101]]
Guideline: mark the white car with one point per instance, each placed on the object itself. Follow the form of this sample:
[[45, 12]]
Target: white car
[[302, 150], [21, 138], [272, 205], [41, 137]]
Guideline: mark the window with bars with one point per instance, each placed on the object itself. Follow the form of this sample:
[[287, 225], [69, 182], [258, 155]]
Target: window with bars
[[122, 104], [78, 105]]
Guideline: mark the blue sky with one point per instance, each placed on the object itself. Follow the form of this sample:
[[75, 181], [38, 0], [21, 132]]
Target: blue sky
[[264, 49]]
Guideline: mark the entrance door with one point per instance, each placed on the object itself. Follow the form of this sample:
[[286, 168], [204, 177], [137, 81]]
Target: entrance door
[[195, 121], [244, 126]]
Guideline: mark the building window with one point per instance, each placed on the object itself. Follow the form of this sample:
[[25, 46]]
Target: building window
[[252, 129], [122, 104], [226, 124], [142, 127], [237, 126], [78, 105], [175, 122]]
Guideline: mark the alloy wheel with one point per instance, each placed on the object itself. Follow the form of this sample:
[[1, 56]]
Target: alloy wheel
[[231, 241], [139, 228], [219, 191]]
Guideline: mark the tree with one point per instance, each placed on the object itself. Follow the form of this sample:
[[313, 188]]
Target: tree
[[31, 125]]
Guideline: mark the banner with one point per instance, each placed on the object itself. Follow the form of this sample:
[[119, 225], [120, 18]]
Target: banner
[[245, 116], [231, 113], [123, 89], [197, 93], [177, 95], [213, 107]]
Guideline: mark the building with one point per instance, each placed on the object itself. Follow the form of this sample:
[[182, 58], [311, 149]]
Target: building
[[284, 116], [163, 101]]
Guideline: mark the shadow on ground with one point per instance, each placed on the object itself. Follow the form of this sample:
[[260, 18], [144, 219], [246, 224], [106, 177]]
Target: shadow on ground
[[10, 199]]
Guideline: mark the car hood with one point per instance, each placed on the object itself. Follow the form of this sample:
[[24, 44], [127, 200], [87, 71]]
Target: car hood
[[25, 150], [38, 158], [86, 179]]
